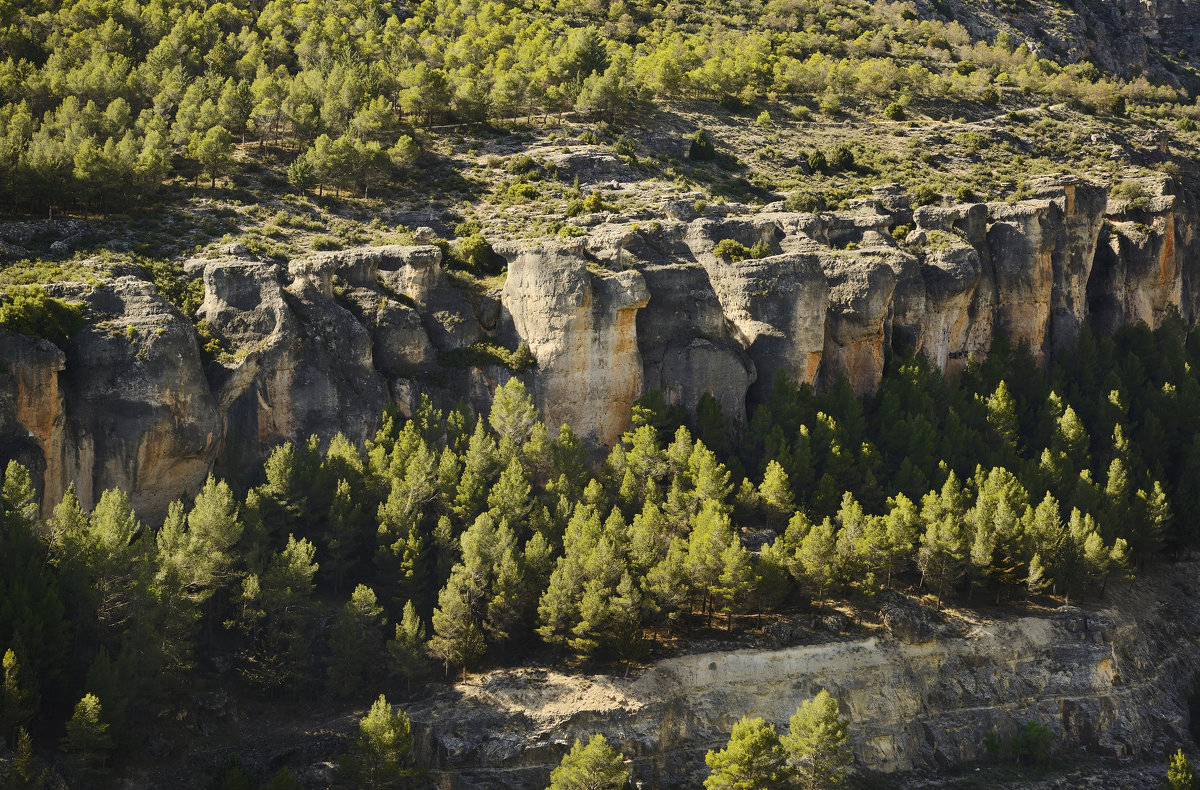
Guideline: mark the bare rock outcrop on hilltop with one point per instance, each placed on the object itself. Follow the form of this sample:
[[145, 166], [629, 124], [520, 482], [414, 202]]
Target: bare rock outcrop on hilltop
[[320, 345]]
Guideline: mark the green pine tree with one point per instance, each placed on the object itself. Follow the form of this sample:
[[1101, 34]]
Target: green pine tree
[[381, 756], [591, 766], [407, 651], [87, 743], [18, 697], [1180, 775], [753, 759], [355, 642], [818, 743]]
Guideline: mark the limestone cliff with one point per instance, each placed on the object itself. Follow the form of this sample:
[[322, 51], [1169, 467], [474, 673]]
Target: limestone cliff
[[921, 695], [321, 344]]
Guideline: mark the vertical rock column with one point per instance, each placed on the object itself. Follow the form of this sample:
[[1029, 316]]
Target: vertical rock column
[[581, 328]]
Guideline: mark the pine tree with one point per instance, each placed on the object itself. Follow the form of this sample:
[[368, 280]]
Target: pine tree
[[346, 534], [355, 642], [776, 493], [817, 557], [509, 500], [944, 549], [513, 414], [457, 636], [818, 743], [594, 766], [25, 771], [196, 562], [18, 698], [736, 580], [752, 760], [32, 616], [211, 150], [283, 780], [118, 564], [479, 469], [903, 527], [1002, 417], [284, 495], [382, 751], [407, 650], [273, 616], [1180, 775], [87, 742]]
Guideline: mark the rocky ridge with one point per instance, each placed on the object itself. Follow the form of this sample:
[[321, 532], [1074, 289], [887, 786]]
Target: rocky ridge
[[320, 345]]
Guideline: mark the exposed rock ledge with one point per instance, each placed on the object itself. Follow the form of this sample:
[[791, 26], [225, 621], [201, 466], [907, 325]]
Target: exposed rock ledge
[[321, 345], [1112, 681]]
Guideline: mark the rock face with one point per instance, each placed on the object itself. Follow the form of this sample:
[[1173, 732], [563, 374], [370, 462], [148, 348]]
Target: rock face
[[687, 344], [322, 344], [581, 328], [922, 696], [124, 404]]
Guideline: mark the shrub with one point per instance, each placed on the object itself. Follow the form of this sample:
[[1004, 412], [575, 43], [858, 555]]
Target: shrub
[[735, 251], [468, 227], [990, 96], [894, 112], [522, 191], [802, 201], [487, 353], [475, 252], [29, 310], [210, 346], [701, 148], [1186, 125], [173, 284], [521, 164], [817, 163], [593, 203], [900, 232], [1032, 741], [763, 119], [623, 146], [841, 158], [324, 241], [924, 195], [1133, 193], [964, 194]]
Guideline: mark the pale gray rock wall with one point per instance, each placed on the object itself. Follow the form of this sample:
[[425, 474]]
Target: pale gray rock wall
[[1109, 680], [322, 344]]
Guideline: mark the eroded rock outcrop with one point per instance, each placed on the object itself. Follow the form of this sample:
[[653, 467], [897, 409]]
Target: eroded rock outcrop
[[580, 326], [320, 345], [299, 364], [1111, 681], [125, 403]]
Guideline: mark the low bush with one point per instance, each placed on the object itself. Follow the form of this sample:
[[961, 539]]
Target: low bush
[[925, 195], [29, 310], [475, 252], [735, 251]]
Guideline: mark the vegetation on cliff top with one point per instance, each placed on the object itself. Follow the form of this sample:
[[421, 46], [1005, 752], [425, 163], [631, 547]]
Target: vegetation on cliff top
[[473, 110]]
